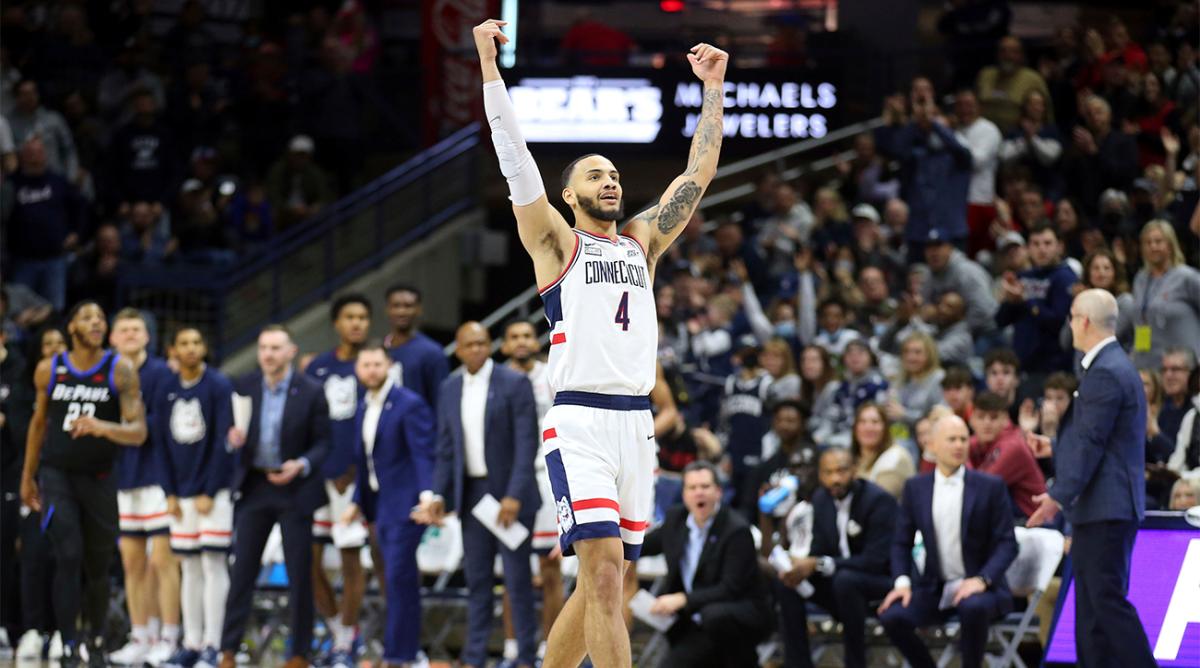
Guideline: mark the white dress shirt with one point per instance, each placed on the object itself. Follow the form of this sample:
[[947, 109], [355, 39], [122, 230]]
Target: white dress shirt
[[1090, 356], [947, 521], [843, 524], [473, 409], [374, 409], [983, 139]]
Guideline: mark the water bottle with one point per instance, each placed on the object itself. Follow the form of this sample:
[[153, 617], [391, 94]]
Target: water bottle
[[776, 498]]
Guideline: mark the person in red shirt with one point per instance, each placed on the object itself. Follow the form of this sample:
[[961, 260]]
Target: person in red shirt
[[998, 447]]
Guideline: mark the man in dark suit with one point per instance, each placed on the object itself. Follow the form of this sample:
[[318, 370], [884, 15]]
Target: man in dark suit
[[966, 521], [394, 460], [713, 581], [847, 563], [486, 442], [1099, 484], [274, 481]]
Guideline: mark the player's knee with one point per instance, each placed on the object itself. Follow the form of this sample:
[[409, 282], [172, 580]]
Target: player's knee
[[133, 555], [351, 563], [604, 582], [163, 561]]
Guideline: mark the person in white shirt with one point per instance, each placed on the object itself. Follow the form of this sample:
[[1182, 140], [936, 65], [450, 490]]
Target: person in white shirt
[[983, 139], [394, 460], [966, 523]]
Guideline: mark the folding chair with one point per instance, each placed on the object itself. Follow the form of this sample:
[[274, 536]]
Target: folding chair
[[1039, 552]]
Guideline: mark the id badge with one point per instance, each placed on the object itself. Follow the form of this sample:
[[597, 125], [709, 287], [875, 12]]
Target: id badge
[[1141, 339]]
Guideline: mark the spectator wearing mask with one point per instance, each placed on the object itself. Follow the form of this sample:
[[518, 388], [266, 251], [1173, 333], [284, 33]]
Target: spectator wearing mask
[[860, 384], [958, 392], [998, 447], [713, 584], [833, 334], [142, 153], [1177, 366], [30, 119], [296, 187], [787, 451], [1036, 303], [966, 521], [846, 564], [1034, 143], [879, 459], [44, 216], [982, 138], [1099, 157], [935, 169], [1004, 89], [951, 335], [919, 386], [1166, 297], [951, 271]]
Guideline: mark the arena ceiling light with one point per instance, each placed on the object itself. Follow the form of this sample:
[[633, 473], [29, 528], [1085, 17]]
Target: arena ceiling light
[[509, 9]]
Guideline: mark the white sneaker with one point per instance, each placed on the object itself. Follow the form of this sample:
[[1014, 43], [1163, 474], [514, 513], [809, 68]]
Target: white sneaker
[[132, 654], [30, 647], [56, 647], [421, 662], [159, 652]]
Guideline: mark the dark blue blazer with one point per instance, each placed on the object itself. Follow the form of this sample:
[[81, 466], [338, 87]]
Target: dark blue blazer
[[304, 432], [873, 510], [403, 456], [1100, 455], [988, 543], [510, 446]]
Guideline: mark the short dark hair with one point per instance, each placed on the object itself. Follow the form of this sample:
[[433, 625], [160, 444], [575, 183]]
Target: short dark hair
[[837, 450], [518, 321], [1044, 225], [794, 404], [957, 376], [570, 168], [703, 465], [188, 328], [374, 345], [831, 301], [991, 402], [345, 300], [1061, 380], [403, 287], [79, 306], [1004, 356]]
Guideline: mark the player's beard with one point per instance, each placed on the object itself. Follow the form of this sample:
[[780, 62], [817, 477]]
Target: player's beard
[[592, 208]]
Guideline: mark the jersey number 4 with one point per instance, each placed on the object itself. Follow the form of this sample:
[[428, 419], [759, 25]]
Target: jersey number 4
[[622, 318], [75, 410]]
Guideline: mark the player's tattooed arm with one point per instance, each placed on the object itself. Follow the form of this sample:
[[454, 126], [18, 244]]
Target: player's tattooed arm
[[659, 226], [132, 428]]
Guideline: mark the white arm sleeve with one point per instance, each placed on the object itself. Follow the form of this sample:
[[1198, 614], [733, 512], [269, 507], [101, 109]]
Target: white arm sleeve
[[516, 163]]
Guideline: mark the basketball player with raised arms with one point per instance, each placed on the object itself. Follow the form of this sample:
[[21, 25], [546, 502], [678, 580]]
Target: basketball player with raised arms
[[597, 287]]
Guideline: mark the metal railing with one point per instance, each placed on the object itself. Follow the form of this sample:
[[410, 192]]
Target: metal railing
[[525, 305], [310, 262]]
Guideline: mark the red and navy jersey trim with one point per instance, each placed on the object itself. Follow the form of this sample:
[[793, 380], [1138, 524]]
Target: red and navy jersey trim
[[598, 237]]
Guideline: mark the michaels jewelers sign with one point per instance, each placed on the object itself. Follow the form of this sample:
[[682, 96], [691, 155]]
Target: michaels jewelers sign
[[664, 106]]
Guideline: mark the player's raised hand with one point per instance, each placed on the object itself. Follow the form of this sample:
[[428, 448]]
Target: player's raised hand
[[486, 34], [708, 62]]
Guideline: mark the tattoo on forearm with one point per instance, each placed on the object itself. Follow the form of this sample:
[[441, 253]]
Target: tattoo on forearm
[[679, 208], [708, 130]]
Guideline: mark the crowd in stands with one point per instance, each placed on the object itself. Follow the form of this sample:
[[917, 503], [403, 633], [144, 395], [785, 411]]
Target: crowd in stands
[[812, 341], [127, 146]]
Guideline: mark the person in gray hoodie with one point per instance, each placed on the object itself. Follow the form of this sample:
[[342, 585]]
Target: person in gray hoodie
[[951, 271]]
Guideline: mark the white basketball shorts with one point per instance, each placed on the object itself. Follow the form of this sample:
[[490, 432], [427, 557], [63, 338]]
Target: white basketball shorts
[[143, 511], [194, 532], [600, 454]]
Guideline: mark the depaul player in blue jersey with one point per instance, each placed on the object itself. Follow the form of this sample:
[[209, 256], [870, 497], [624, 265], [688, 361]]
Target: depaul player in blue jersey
[[351, 315]]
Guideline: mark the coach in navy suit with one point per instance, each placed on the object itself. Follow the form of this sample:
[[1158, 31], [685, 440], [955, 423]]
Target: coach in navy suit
[[273, 481], [394, 457], [1099, 484], [486, 443], [966, 521]]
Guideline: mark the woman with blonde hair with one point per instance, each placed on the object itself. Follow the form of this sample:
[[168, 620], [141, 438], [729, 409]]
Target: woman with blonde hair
[[1166, 298], [880, 460], [776, 358], [919, 385]]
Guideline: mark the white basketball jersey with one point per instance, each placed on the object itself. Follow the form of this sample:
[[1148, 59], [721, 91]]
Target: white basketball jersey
[[603, 324]]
